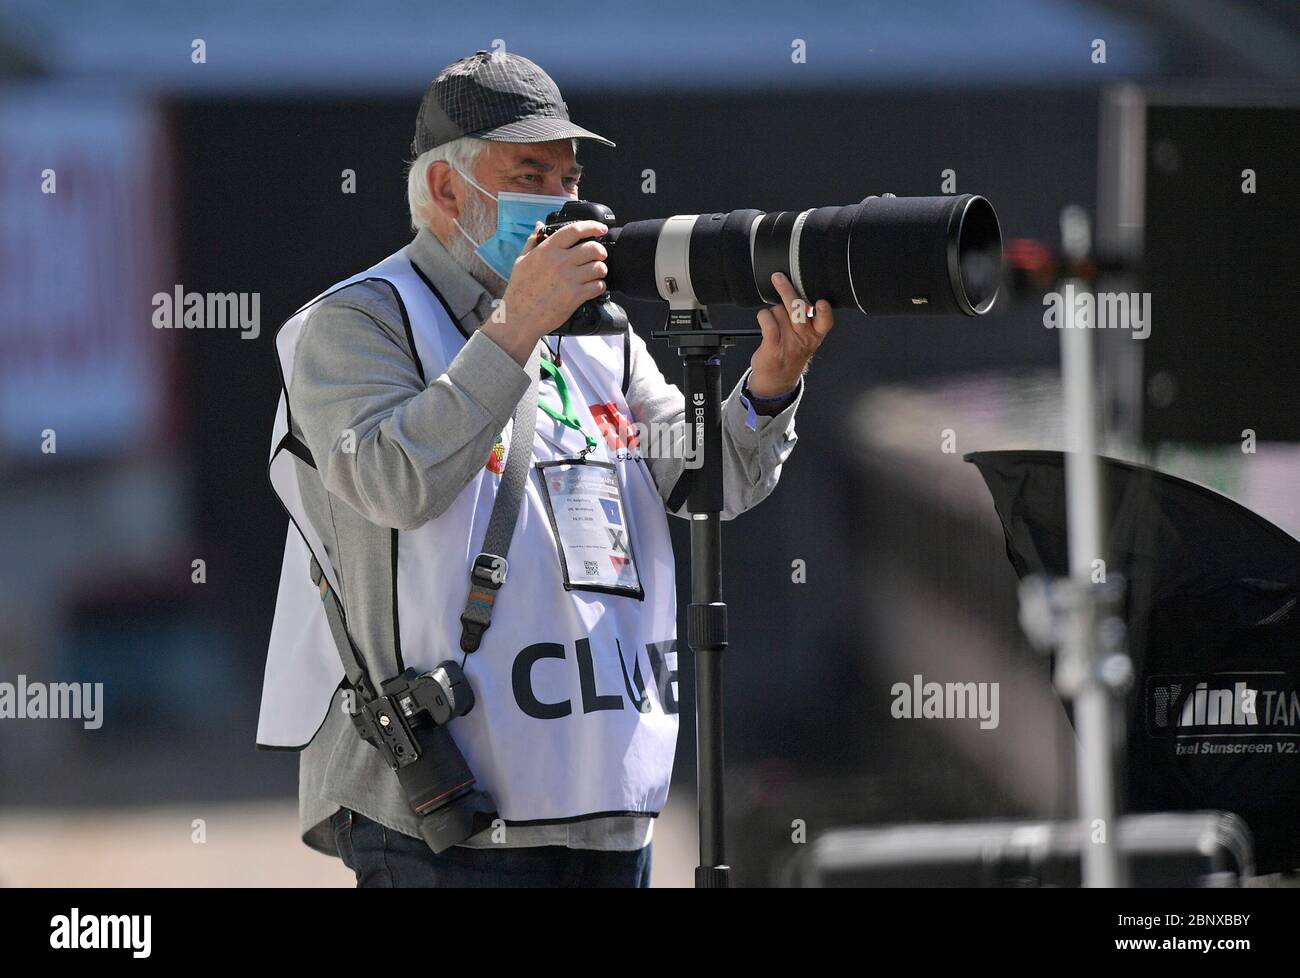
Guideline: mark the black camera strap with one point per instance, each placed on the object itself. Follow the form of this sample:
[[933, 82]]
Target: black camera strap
[[355, 670], [490, 567]]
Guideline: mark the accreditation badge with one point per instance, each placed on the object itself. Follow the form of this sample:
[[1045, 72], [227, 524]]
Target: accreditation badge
[[585, 504]]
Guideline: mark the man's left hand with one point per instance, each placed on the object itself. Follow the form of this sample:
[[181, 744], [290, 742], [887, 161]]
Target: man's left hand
[[792, 332]]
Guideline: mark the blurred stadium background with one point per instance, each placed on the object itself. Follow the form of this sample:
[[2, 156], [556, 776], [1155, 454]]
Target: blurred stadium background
[[225, 176]]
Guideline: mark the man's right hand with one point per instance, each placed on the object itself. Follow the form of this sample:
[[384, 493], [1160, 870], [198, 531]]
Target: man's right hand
[[549, 281]]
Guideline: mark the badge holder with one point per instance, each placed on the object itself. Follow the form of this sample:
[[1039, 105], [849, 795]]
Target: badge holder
[[584, 503], [592, 534]]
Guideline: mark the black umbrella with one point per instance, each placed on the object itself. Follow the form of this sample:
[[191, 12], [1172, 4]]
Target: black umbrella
[[1214, 632]]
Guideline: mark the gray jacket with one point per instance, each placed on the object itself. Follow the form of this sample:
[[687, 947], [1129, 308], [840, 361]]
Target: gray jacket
[[415, 446]]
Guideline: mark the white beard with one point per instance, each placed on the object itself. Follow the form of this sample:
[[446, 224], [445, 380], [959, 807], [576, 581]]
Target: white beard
[[479, 223]]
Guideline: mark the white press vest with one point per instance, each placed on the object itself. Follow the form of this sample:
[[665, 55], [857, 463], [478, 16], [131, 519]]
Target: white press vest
[[570, 686]]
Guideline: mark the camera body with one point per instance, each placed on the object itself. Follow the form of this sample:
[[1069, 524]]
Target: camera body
[[601, 315], [579, 210], [407, 722]]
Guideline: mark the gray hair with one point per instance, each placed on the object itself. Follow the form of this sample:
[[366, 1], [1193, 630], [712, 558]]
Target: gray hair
[[462, 153]]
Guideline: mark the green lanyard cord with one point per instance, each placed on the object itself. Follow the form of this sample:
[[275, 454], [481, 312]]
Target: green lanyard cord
[[566, 416]]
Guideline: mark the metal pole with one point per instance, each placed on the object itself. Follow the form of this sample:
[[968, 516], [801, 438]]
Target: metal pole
[[1078, 664]]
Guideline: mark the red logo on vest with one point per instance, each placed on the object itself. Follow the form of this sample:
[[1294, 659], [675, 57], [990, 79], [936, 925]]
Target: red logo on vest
[[617, 429], [496, 462]]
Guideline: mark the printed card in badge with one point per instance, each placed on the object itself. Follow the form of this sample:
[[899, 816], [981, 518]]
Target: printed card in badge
[[585, 504]]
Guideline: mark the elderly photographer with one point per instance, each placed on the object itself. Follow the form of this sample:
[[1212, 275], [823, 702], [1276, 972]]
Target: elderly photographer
[[403, 390]]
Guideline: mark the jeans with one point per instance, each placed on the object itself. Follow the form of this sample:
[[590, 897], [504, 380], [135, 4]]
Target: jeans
[[381, 857]]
